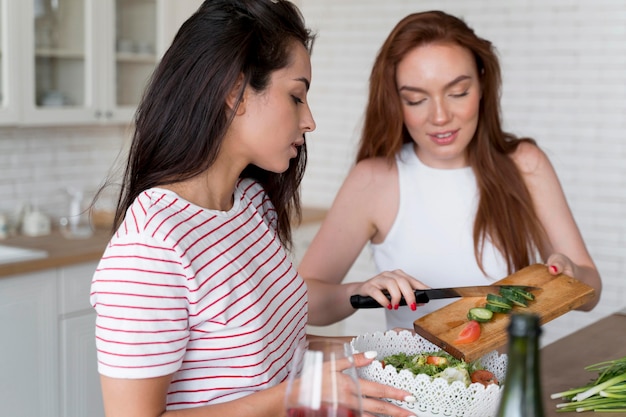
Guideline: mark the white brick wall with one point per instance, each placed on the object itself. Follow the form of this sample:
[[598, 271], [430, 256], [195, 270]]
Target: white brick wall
[[564, 72], [37, 164]]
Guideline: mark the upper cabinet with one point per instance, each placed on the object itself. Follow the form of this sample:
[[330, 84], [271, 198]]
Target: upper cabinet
[[84, 61], [9, 63]]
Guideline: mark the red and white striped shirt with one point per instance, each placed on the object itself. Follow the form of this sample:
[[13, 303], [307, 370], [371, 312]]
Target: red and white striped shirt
[[206, 295]]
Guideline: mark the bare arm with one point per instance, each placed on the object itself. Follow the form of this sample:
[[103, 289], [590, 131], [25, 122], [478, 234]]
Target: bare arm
[[567, 252], [146, 398], [364, 210]]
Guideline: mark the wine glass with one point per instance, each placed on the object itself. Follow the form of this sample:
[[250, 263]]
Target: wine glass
[[323, 381]]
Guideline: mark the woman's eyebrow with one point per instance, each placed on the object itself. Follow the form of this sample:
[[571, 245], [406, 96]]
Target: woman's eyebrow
[[306, 82], [448, 85]]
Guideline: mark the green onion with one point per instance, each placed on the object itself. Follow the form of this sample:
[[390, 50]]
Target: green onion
[[605, 394]]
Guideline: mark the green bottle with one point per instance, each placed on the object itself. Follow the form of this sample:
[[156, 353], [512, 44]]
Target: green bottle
[[521, 394]]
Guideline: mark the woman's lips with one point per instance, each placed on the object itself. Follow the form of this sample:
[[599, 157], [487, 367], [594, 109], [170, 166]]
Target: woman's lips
[[294, 148], [444, 138]]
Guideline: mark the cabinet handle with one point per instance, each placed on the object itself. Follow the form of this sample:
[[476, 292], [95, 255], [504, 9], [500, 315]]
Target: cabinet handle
[[98, 114], [108, 114]]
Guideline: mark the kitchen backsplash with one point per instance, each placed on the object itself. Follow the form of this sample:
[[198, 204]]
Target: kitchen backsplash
[[39, 165]]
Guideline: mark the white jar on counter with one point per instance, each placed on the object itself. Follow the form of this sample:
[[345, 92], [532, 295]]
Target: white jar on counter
[[35, 223]]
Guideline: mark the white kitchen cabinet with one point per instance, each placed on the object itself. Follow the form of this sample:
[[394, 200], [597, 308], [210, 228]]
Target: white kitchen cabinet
[[80, 394], [9, 65], [84, 61], [48, 363], [29, 340]]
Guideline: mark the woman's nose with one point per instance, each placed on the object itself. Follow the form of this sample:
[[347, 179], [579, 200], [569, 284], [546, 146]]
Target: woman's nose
[[440, 112], [308, 122]]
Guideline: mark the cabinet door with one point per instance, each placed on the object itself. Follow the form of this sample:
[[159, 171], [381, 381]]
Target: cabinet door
[[81, 394], [133, 42], [9, 65], [89, 61], [143, 30], [29, 378], [60, 61]]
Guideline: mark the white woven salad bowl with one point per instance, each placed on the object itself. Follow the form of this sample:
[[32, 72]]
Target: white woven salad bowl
[[435, 397]]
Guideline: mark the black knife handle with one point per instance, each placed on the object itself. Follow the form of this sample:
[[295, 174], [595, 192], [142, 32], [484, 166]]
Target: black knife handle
[[365, 301]]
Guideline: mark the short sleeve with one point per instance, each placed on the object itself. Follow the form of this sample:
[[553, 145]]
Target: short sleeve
[[139, 293]]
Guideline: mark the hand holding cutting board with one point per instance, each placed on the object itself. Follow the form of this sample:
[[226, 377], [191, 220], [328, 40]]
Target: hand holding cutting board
[[556, 296]]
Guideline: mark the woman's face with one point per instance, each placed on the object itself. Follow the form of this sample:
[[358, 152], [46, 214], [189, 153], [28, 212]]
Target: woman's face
[[440, 93], [274, 121]]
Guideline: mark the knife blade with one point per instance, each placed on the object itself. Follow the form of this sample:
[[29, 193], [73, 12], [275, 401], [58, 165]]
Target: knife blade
[[424, 296]]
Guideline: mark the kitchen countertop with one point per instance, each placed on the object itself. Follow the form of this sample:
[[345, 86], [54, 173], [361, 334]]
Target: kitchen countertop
[[64, 252], [563, 362]]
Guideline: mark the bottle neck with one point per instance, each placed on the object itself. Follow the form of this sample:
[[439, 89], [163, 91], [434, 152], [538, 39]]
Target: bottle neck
[[522, 394]]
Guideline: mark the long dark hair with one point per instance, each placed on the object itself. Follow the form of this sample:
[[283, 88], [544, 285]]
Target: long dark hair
[[182, 119], [505, 211]]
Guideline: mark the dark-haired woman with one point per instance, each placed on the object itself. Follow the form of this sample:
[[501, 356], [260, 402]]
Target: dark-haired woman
[[199, 309], [442, 194]]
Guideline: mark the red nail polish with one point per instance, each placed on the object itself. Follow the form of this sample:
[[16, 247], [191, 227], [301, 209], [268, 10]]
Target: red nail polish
[[397, 306], [413, 306], [389, 307], [553, 268]]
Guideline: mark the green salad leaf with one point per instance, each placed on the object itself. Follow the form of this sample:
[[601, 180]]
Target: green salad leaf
[[438, 364]]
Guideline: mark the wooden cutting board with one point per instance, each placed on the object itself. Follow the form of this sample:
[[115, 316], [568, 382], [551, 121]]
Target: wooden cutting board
[[557, 295]]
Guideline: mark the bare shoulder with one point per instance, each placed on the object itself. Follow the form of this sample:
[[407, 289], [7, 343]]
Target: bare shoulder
[[371, 191], [530, 159], [373, 172]]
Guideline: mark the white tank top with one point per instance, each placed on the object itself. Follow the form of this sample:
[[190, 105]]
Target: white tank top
[[431, 237]]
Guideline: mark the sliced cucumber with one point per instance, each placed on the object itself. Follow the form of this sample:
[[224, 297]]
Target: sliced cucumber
[[480, 314], [498, 308], [520, 291], [514, 297], [498, 299], [503, 302]]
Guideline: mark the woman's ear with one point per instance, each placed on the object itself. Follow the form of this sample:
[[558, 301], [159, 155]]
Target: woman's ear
[[236, 99]]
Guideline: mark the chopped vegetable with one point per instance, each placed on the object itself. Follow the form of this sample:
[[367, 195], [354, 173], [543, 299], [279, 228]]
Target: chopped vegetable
[[436, 365], [607, 393], [498, 308], [503, 302], [436, 360], [470, 333], [484, 377], [514, 296], [480, 314], [498, 299], [452, 374]]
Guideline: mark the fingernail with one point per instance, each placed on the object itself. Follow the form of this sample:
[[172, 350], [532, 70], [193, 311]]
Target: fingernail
[[389, 307], [397, 306], [413, 306], [410, 399], [553, 268], [370, 354]]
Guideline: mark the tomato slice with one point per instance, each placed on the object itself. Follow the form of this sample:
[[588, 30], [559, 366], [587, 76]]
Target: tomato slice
[[436, 360], [470, 333], [484, 377]]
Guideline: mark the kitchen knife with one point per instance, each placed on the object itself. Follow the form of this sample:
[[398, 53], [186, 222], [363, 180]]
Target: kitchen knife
[[424, 296]]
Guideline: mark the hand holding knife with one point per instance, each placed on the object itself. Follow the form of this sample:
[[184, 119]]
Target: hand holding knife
[[424, 296]]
